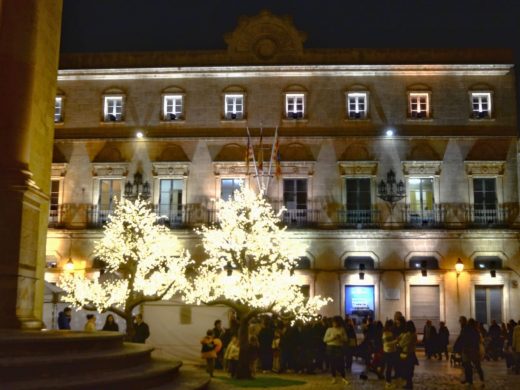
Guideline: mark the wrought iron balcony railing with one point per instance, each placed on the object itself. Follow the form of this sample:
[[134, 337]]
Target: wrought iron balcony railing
[[423, 217], [358, 218]]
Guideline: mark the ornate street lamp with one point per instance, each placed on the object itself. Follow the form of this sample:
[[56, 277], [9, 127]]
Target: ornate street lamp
[[137, 188], [391, 191], [459, 267]]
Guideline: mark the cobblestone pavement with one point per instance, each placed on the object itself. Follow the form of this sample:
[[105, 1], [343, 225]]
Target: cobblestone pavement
[[430, 374]]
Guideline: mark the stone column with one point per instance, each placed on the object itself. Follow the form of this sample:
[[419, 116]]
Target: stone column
[[29, 51]]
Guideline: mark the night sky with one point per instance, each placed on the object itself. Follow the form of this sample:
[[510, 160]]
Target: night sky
[[143, 25]]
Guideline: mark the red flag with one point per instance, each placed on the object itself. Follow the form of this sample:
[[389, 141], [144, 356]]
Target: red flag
[[248, 153], [278, 167]]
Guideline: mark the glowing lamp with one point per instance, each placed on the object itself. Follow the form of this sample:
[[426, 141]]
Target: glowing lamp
[[389, 133], [139, 134], [459, 266], [69, 266]]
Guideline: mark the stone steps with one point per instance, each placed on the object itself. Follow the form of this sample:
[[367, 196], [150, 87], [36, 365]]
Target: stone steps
[[32, 360]]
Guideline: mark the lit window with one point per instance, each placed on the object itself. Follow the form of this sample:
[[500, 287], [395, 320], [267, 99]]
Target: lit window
[[172, 107], [113, 108], [480, 105], [234, 106], [419, 105], [58, 109], [228, 188], [357, 105], [294, 105], [295, 194]]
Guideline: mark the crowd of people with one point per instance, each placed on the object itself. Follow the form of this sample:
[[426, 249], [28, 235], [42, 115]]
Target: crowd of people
[[141, 331], [331, 344]]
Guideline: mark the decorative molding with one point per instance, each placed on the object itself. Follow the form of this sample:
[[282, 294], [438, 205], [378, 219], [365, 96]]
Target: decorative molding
[[116, 170], [485, 168], [232, 168], [170, 168], [430, 168], [358, 168], [58, 169], [305, 168]]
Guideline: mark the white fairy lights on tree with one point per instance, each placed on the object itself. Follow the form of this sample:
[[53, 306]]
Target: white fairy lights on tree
[[249, 267], [144, 262]]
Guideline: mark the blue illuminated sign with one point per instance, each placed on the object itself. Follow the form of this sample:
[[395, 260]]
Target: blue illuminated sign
[[359, 301]]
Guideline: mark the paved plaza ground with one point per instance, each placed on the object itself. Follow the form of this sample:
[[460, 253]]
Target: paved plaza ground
[[430, 374]]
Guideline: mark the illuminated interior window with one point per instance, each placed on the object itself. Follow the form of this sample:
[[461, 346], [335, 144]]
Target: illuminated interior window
[[113, 108], [481, 105], [228, 188], [357, 105], [295, 105], [172, 107], [234, 106], [58, 109], [419, 105]]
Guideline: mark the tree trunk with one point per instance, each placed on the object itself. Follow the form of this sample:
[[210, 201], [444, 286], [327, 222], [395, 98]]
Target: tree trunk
[[130, 331], [243, 369]]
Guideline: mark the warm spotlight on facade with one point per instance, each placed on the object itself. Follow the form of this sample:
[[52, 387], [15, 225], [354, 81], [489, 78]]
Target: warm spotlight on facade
[[69, 266], [139, 134]]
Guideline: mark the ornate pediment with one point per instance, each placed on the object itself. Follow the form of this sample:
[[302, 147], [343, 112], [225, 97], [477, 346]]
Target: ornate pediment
[[484, 168], [58, 169], [232, 168], [265, 38], [170, 168], [358, 168], [417, 168], [304, 168], [109, 169]]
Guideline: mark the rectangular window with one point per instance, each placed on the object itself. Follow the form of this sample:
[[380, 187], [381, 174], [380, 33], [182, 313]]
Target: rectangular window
[[58, 109], [421, 201], [172, 107], [488, 304], [234, 106], [295, 194], [481, 105], [294, 105], [228, 188], [419, 105], [54, 202], [170, 200], [485, 200], [113, 108], [108, 190], [359, 200], [357, 105]]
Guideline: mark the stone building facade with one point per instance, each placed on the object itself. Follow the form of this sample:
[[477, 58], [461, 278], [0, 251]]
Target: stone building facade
[[442, 121]]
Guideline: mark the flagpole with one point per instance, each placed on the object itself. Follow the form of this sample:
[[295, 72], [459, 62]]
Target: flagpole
[[254, 159], [271, 159]]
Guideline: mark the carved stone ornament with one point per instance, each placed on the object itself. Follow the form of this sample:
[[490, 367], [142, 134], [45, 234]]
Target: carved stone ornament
[[58, 169], [304, 168], [232, 168], [358, 168], [482, 168], [415, 168], [170, 168], [109, 169], [265, 37]]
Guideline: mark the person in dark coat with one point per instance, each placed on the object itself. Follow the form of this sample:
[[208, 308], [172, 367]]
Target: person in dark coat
[[468, 344], [110, 324], [142, 331], [265, 340], [444, 339], [429, 339], [64, 318]]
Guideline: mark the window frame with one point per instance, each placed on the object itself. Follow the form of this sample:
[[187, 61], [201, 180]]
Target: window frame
[[106, 114], [295, 113], [416, 114], [357, 94], [228, 115], [61, 99], [476, 115], [179, 115]]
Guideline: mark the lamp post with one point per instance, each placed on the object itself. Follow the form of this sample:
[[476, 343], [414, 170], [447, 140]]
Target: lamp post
[[391, 191], [137, 188]]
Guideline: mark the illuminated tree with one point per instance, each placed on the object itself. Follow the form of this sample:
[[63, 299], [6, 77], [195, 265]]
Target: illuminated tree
[[144, 263], [249, 267]]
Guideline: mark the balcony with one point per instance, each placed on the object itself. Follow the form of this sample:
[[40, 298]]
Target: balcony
[[424, 218], [300, 218], [176, 216], [358, 219], [97, 217], [480, 216]]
